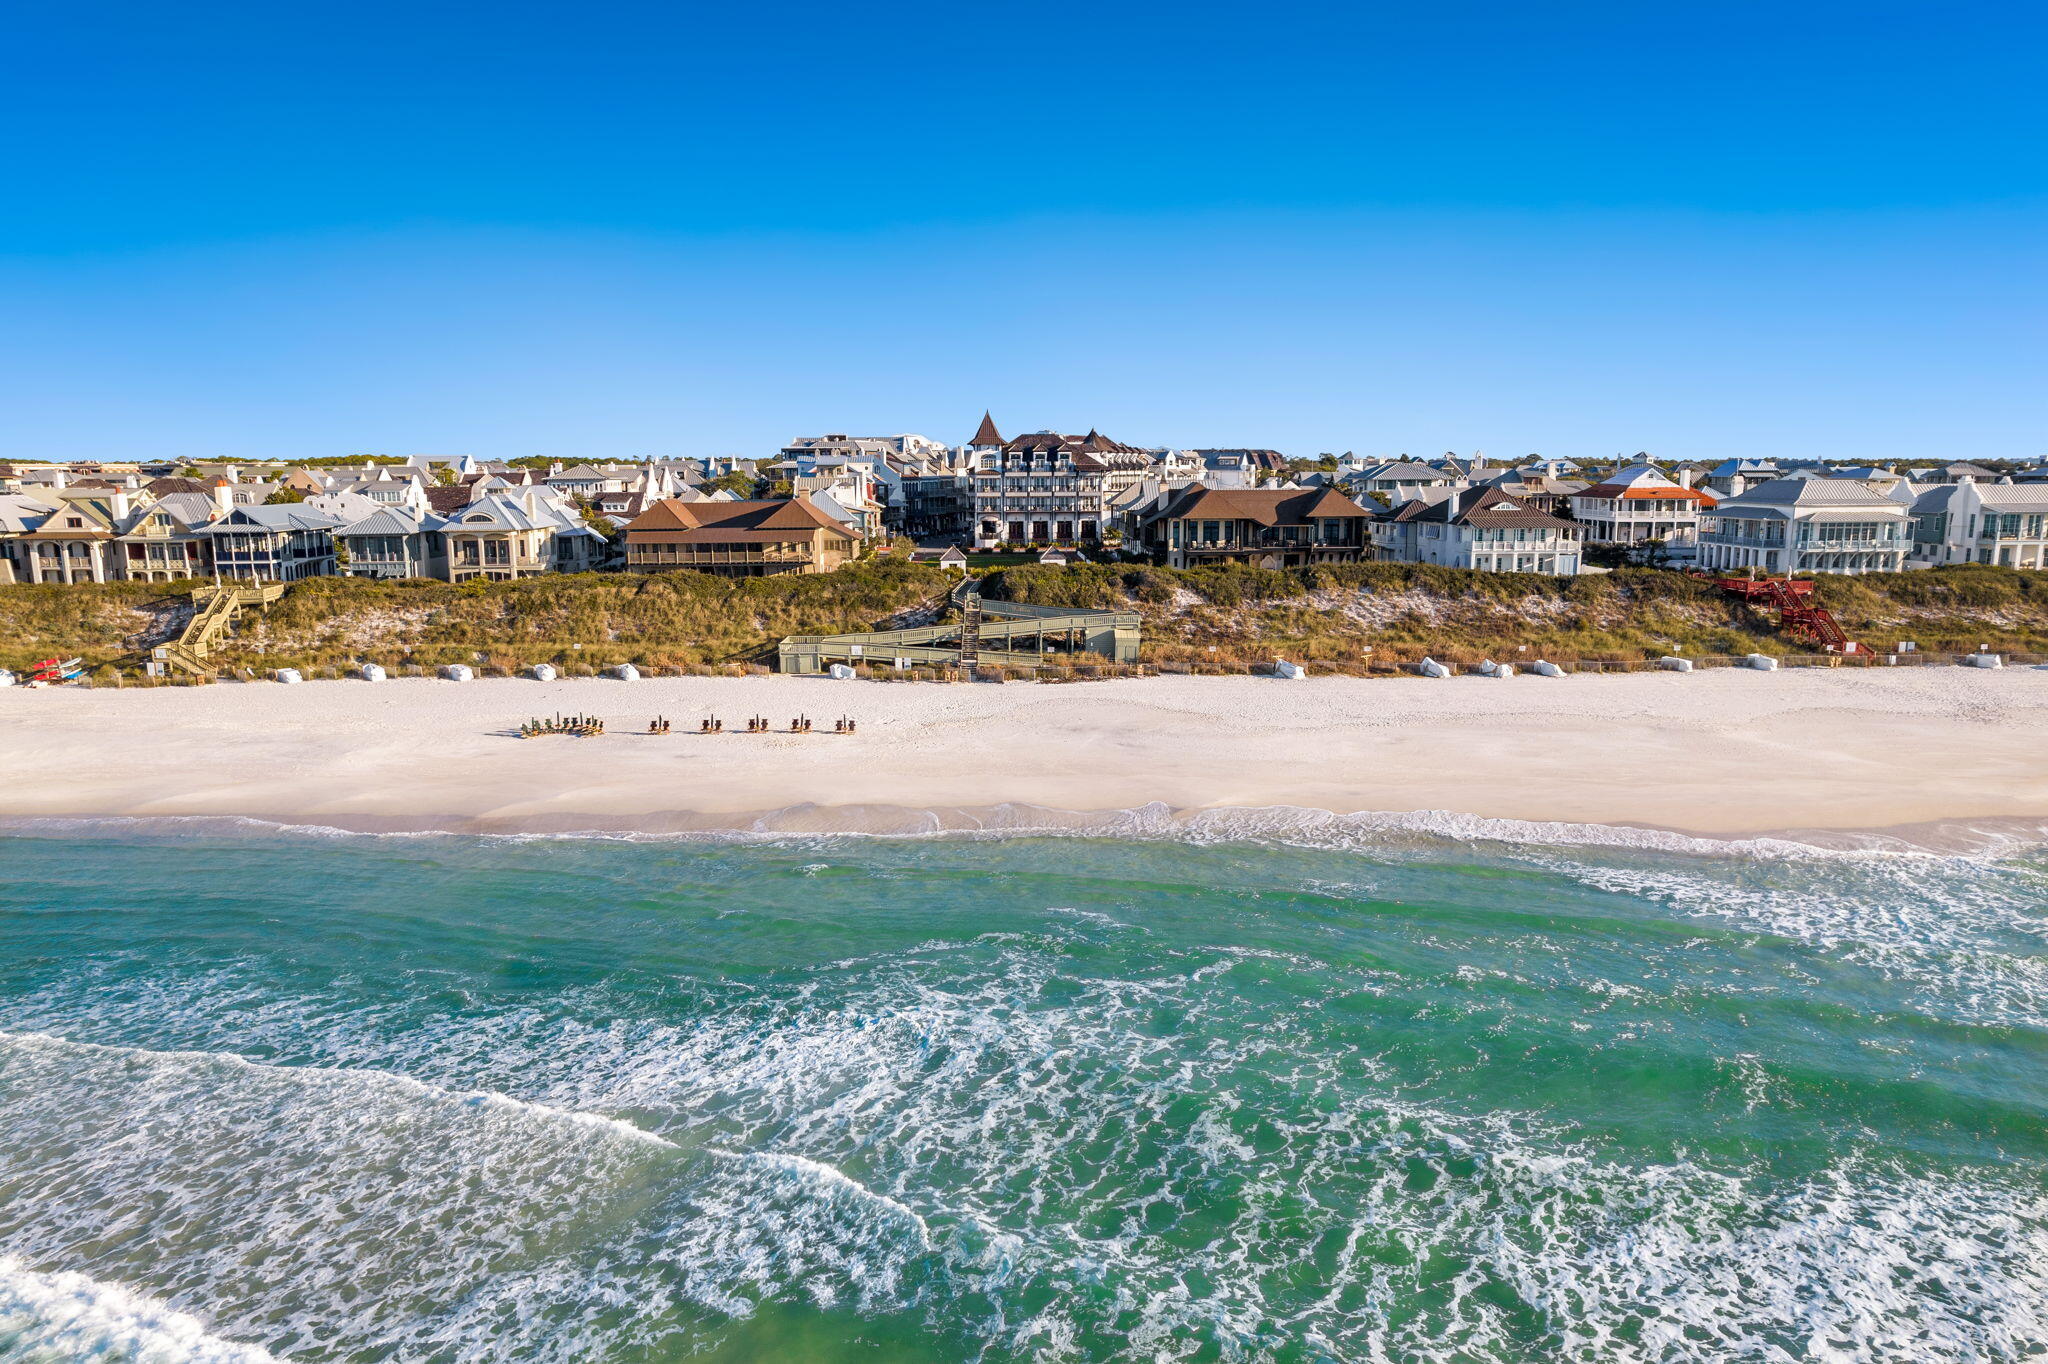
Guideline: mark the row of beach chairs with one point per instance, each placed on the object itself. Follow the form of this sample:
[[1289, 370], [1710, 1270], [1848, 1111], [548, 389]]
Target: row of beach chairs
[[586, 726]]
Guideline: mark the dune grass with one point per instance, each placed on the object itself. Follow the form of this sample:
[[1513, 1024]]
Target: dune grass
[[1355, 618]]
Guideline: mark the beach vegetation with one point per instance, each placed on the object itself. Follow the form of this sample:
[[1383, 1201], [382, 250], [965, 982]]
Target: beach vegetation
[[1361, 618]]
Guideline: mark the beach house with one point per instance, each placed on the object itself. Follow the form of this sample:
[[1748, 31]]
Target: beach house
[[1639, 510], [1481, 528], [738, 539], [1807, 525], [1048, 488], [1269, 527], [399, 541], [507, 532], [281, 543], [168, 537], [1982, 523]]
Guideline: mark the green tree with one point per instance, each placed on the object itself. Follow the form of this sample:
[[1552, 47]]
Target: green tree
[[739, 483], [283, 495]]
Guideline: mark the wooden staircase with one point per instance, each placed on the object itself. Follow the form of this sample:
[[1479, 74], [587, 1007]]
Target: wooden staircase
[[216, 610]]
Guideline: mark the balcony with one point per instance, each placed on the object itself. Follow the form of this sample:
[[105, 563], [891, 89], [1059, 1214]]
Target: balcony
[[1894, 545], [675, 556]]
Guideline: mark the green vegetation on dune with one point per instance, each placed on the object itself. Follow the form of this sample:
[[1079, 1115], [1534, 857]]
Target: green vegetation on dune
[[1945, 609], [668, 620], [1362, 614], [1352, 617]]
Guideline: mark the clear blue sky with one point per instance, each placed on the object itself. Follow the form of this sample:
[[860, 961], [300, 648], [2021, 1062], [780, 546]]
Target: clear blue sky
[[616, 229]]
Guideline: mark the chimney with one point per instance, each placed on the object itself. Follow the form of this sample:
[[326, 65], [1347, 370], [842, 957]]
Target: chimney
[[223, 496], [60, 478], [121, 505], [1685, 478]]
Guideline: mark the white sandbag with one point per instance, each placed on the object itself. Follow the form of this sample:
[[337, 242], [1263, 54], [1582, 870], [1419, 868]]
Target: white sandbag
[[6, 678], [289, 676], [1492, 669], [1546, 668], [543, 672], [457, 672], [1293, 672], [1675, 665], [840, 671], [1431, 668], [1983, 661], [370, 672], [625, 672], [1763, 663]]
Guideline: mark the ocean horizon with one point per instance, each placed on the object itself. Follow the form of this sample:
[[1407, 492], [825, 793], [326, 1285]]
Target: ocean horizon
[[1265, 1086]]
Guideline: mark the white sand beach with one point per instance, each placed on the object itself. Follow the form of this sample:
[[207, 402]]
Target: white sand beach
[[1720, 753]]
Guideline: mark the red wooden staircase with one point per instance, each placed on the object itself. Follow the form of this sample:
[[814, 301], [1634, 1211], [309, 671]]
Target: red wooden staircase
[[1798, 616]]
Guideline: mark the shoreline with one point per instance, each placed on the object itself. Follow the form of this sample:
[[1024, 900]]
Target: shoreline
[[1822, 756]]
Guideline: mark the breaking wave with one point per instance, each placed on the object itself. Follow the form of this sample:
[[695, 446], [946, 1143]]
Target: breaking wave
[[71, 1319]]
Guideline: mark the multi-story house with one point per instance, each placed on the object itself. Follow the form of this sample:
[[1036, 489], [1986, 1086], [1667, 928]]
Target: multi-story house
[[1398, 480], [1482, 528], [75, 543], [1807, 525], [1637, 507], [1532, 487], [1982, 523], [937, 501], [1269, 527], [400, 541], [584, 480], [1047, 488], [20, 513], [516, 533], [281, 543], [169, 539], [738, 539]]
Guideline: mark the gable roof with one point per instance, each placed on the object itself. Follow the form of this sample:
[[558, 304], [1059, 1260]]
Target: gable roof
[[391, 521], [1485, 506], [1644, 481]]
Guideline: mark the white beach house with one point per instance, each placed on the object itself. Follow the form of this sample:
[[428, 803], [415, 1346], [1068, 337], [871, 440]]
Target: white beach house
[[1638, 506], [1982, 523], [1481, 528], [1807, 525]]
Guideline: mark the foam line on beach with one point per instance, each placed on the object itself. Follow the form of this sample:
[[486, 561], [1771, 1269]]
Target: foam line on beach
[[1976, 840], [325, 1075], [73, 1317]]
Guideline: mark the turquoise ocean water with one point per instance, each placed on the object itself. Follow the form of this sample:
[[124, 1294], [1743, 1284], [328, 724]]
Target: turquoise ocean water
[[1364, 1095]]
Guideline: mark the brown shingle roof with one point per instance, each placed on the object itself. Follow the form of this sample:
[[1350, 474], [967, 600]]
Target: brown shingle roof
[[1267, 506], [986, 433], [793, 514]]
